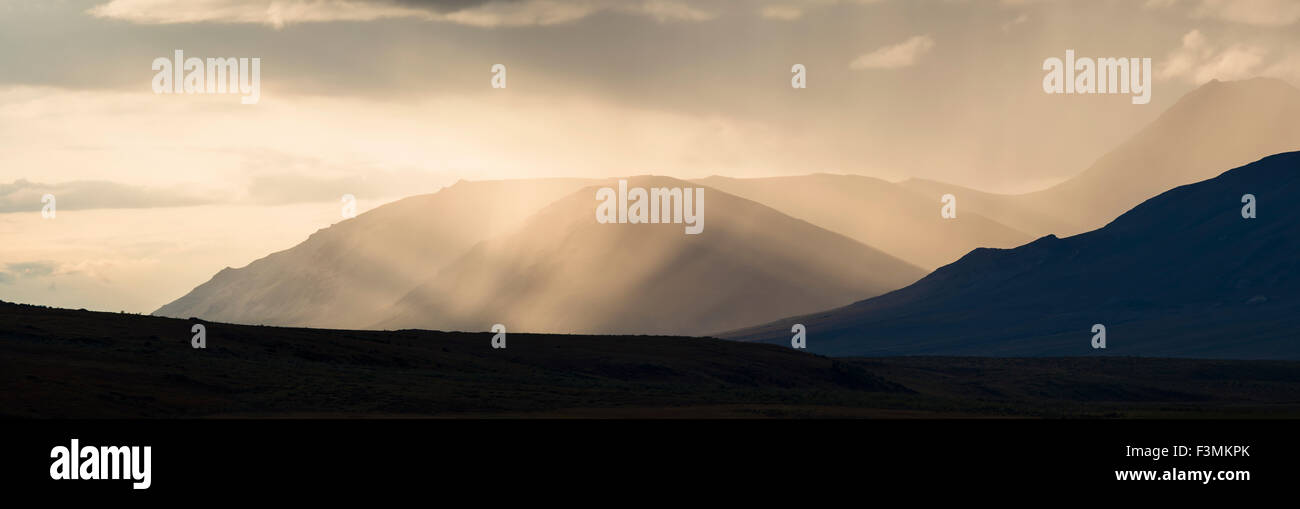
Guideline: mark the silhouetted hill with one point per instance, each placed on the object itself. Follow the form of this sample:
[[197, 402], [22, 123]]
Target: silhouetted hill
[[60, 363], [1181, 275]]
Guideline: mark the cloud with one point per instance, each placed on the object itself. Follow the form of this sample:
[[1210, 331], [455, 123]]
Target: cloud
[[270, 12], [25, 196], [1198, 60], [298, 180], [1270, 13], [480, 13], [14, 271], [903, 54], [666, 10], [1236, 62], [1160, 4], [193, 144], [1253, 12], [101, 269], [1019, 20], [781, 12], [30, 269], [1286, 69], [791, 10]]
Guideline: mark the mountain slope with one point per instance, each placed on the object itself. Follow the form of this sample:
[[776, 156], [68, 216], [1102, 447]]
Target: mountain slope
[[1015, 211], [346, 275], [883, 215], [564, 272], [1219, 125], [1181, 275]]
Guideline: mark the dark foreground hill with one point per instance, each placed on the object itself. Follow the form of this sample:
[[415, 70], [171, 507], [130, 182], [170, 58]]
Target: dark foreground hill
[[1181, 275], [64, 363]]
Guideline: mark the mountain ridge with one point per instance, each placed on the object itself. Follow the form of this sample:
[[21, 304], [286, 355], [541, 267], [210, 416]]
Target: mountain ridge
[[1221, 124], [884, 215], [1172, 277]]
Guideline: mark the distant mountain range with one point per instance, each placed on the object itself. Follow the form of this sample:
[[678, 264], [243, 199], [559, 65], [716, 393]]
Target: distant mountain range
[[529, 254], [1183, 274], [1219, 125], [895, 219]]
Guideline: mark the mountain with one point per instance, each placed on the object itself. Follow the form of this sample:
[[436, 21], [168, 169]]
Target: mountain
[[1219, 125], [1181, 275], [1021, 212], [889, 217], [564, 272], [529, 254], [348, 274]]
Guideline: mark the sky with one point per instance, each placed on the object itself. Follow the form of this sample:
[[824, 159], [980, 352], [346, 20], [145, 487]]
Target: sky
[[382, 99]]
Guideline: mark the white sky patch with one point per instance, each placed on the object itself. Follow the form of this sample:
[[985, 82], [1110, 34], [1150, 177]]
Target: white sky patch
[[270, 12], [136, 260], [903, 54], [278, 13]]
